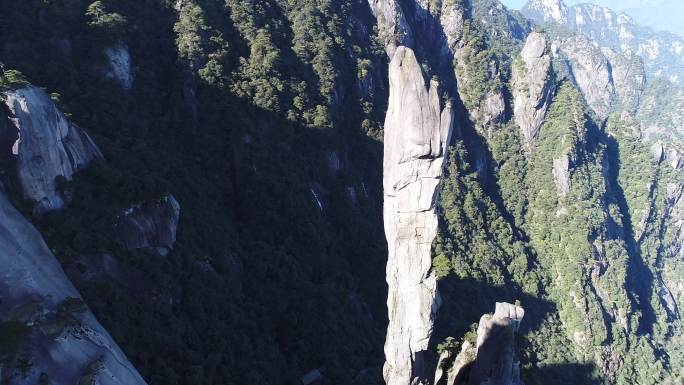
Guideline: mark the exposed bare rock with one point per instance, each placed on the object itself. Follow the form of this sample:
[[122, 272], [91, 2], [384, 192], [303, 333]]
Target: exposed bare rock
[[675, 286], [668, 283], [500, 21], [662, 52], [657, 152], [119, 65], [590, 71], [433, 29], [495, 107], [60, 336], [458, 367], [48, 146], [494, 363], [394, 29], [561, 175], [452, 19], [674, 159], [417, 130], [609, 80], [549, 11], [532, 87], [8, 134], [629, 78], [149, 225], [491, 360], [668, 300]]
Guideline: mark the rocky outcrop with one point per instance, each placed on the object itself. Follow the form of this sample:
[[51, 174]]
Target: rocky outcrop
[[501, 22], [546, 11], [394, 29], [589, 69], [47, 146], [149, 225], [491, 360], [8, 134], [662, 52], [432, 29], [57, 340], [119, 65], [629, 78], [494, 364], [417, 130], [561, 175], [671, 287], [532, 86]]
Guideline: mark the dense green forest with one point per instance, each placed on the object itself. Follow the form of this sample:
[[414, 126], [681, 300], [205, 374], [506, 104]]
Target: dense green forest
[[240, 110], [264, 120]]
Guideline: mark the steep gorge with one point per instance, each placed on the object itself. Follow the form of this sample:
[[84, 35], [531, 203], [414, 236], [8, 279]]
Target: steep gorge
[[230, 230]]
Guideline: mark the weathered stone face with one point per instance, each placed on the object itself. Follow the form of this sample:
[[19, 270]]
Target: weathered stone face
[[394, 30], [119, 65], [417, 130], [63, 339], [532, 87], [48, 146], [591, 72], [149, 225], [492, 360]]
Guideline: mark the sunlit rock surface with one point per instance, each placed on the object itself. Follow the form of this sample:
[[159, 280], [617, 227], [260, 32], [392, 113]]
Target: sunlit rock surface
[[417, 129]]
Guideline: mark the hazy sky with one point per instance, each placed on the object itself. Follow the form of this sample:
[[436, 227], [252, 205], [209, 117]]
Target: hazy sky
[[657, 14]]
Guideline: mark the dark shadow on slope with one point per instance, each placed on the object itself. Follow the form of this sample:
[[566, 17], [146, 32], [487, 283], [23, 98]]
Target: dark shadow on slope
[[464, 301], [263, 285], [433, 49], [639, 276], [561, 374]]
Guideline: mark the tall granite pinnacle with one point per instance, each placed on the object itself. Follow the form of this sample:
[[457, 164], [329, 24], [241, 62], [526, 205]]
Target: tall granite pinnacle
[[417, 131]]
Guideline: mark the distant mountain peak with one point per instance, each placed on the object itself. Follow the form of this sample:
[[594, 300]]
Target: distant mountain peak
[[661, 52], [549, 10]]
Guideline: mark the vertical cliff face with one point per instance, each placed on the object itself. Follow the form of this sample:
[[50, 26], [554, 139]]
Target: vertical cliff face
[[394, 29], [629, 78], [417, 129], [494, 361], [47, 146], [55, 338], [532, 86], [119, 65], [590, 70]]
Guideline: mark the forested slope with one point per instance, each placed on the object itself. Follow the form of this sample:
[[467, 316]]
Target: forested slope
[[263, 120]]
